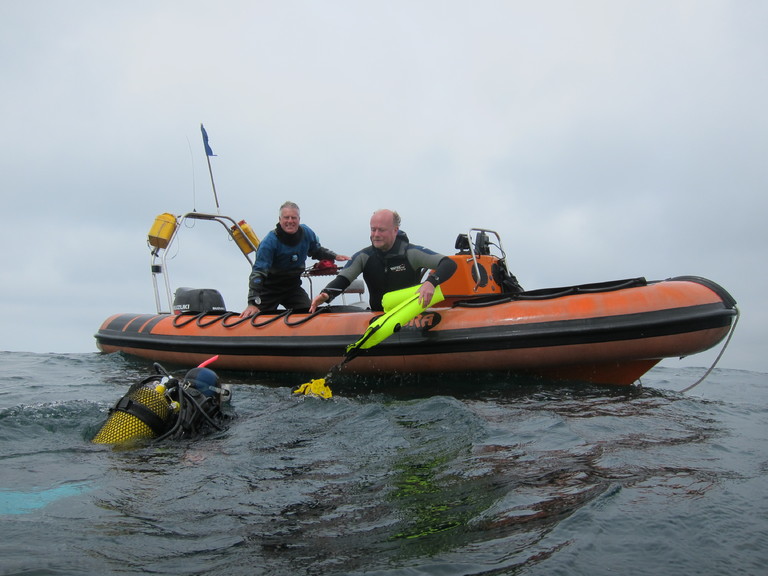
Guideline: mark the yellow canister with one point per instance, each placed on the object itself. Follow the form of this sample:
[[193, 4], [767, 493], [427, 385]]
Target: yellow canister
[[162, 230], [241, 241], [128, 420]]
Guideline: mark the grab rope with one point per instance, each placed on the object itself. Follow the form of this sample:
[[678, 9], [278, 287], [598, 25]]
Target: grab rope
[[484, 302], [306, 318], [725, 345], [268, 320], [181, 320], [236, 322], [217, 318], [186, 318]]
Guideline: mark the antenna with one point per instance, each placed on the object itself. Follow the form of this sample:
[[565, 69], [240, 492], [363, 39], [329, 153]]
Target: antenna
[[208, 154]]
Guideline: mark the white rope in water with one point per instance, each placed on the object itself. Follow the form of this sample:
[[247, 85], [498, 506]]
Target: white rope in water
[[725, 345]]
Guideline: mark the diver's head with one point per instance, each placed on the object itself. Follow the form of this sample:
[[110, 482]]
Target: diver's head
[[204, 380]]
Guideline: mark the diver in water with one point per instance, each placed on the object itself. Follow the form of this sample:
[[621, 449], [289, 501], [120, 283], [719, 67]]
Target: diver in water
[[161, 407]]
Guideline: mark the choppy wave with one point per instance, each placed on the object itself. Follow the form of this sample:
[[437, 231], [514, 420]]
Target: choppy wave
[[483, 475]]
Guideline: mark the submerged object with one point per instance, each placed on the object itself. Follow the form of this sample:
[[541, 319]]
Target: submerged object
[[317, 387], [607, 332], [26, 501]]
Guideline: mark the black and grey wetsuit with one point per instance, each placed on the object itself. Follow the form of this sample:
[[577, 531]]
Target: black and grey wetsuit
[[401, 266]]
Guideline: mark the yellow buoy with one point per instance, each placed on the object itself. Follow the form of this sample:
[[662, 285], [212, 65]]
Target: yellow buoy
[[242, 243], [162, 231]]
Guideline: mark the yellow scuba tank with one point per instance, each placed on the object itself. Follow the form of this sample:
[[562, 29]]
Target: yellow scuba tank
[[160, 407], [143, 413]]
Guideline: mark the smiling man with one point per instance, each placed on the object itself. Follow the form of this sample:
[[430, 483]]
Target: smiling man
[[391, 262], [280, 260]]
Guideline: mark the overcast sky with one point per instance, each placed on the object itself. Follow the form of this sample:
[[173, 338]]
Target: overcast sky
[[601, 139]]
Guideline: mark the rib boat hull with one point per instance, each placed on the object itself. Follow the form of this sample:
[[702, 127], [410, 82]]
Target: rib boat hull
[[608, 333]]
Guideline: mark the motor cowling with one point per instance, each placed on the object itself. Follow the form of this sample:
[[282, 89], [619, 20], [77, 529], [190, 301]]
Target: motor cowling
[[197, 301]]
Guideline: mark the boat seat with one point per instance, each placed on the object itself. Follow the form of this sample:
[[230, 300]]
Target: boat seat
[[357, 287]]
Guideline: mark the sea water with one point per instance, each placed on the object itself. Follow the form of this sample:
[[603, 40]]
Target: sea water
[[441, 476]]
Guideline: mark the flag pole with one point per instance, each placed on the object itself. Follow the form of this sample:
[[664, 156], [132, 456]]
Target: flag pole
[[208, 154]]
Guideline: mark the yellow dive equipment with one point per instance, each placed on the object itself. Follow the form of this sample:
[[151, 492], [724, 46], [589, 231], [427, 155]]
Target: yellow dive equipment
[[162, 231], [314, 388], [400, 307], [161, 406], [141, 414], [245, 246]]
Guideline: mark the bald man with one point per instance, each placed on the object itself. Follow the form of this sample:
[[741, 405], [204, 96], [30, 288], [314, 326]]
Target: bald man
[[391, 262]]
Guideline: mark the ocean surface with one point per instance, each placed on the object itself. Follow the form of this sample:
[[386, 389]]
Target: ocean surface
[[442, 476]]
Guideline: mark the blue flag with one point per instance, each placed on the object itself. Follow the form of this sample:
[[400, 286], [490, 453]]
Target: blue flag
[[208, 150]]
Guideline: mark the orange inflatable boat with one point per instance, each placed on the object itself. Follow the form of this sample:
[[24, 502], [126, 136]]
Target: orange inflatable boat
[[609, 332]]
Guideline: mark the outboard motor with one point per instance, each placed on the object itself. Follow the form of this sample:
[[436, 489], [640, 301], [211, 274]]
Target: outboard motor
[[161, 407], [198, 300]]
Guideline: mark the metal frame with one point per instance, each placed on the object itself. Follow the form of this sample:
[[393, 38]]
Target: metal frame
[[158, 265], [474, 252]]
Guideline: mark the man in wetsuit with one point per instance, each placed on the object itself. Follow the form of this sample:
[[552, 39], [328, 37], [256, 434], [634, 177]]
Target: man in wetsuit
[[391, 262], [280, 261]]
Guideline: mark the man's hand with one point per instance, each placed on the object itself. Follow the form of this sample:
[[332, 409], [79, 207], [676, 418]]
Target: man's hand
[[250, 311], [426, 291], [319, 299]]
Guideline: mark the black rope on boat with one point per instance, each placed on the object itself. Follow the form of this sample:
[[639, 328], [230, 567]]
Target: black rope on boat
[[187, 318], [546, 295], [553, 293], [236, 322], [611, 286], [722, 351], [216, 318], [286, 314], [483, 302], [269, 320], [306, 318]]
